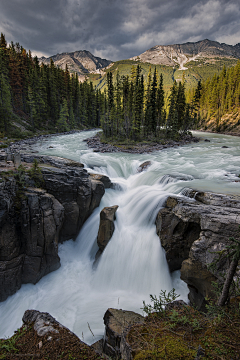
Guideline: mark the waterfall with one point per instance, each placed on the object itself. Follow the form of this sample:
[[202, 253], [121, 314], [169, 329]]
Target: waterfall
[[133, 264]]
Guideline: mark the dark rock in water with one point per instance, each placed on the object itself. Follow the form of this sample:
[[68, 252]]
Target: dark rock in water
[[192, 231], [144, 166], [207, 140], [225, 147], [116, 322], [106, 226], [103, 178]]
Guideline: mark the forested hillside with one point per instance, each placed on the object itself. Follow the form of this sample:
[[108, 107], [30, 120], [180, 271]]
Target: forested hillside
[[217, 101], [42, 98], [194, 71]]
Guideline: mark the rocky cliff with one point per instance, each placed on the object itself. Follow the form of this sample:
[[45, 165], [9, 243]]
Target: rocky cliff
[[179, 54], [192, 231], [33, 220]]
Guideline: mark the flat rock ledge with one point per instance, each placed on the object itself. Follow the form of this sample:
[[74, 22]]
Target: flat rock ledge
[[97, 146], [192, 231]]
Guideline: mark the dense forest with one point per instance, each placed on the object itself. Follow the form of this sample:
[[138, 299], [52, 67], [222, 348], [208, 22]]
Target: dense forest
[[138, 111], [216, 97], [44, 98]]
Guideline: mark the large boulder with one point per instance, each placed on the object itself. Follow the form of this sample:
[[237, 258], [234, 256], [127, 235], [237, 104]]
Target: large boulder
[[192, 231], [116, 323], [103, 178], [106, 226]]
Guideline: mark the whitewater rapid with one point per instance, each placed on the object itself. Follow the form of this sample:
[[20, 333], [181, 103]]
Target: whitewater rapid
[[133, 264]]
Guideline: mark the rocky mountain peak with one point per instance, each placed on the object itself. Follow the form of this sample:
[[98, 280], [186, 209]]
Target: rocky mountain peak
[[180, 54], [81, 62]]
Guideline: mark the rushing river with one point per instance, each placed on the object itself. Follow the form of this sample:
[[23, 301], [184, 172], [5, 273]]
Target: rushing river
[[133, 264]]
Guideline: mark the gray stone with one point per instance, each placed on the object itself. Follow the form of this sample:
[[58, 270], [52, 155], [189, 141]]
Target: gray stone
[[116, 322], [106, 226], [103, 178], [17, 160], [144, 166]]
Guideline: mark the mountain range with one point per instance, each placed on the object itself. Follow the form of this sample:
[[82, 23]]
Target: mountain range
[[199, 60], [171, 55]]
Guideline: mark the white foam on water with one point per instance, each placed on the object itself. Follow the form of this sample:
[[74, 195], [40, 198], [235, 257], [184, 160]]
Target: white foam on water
[[133, 265]]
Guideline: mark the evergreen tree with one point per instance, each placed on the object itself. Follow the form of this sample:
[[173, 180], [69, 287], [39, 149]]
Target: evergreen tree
[[160, 103], [63, 117], [5, 95]]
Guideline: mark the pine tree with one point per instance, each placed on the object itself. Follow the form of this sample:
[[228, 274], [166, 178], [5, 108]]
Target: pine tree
[[63, 117], [5, 95], [160, 103]]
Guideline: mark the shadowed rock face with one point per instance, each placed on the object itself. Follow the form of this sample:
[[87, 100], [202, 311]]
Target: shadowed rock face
[[192, 231], [106, 226], [33, 221]]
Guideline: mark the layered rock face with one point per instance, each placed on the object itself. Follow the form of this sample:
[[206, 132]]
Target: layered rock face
[[33, 221], [192, 231], [78, 194]]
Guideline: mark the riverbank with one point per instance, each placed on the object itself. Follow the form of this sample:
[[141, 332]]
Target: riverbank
[[136, 148]]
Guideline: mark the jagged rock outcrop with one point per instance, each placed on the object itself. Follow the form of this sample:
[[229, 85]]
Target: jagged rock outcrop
[[106, 226], [192, 231], [81, 62], [144, 166], [78, 194], [33, 221], [116, 323]]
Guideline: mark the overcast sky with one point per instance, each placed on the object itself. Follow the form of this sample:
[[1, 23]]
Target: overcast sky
[[116, 29]]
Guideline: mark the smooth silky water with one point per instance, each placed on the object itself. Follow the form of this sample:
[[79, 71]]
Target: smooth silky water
[[133, 264]]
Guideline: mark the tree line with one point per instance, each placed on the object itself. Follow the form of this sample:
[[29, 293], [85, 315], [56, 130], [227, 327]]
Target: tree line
[[43, 96], [216, 96]]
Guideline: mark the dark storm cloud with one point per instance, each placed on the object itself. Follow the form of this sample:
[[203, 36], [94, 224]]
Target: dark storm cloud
[[116, 29]]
